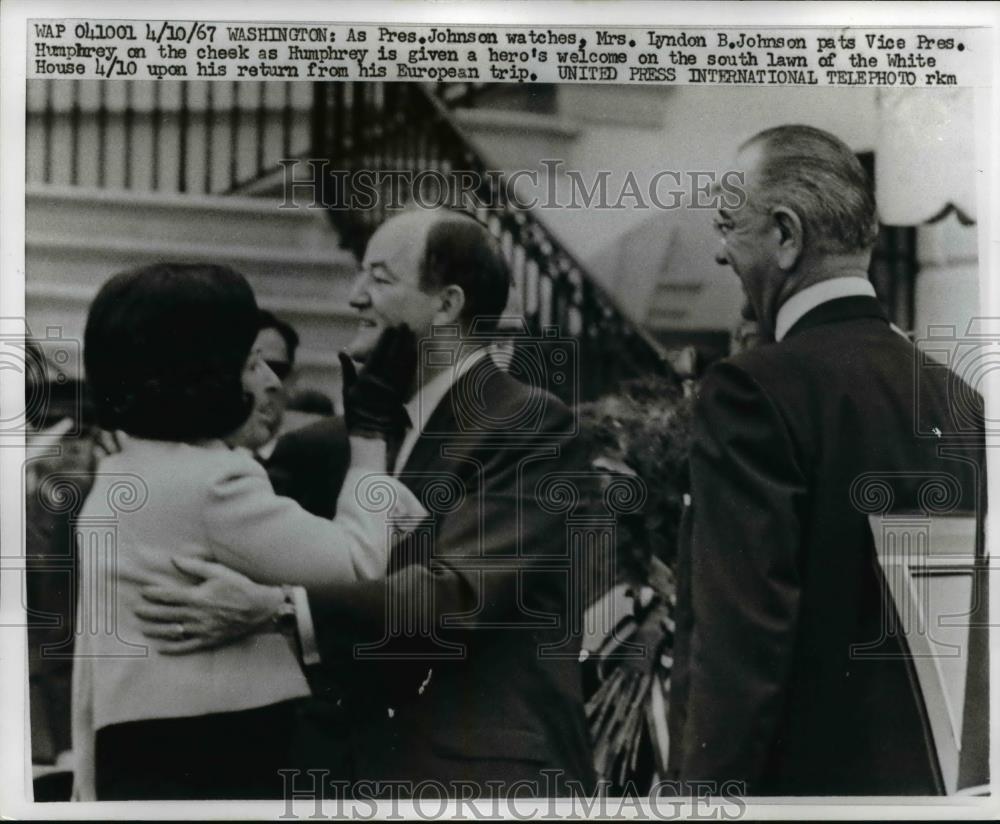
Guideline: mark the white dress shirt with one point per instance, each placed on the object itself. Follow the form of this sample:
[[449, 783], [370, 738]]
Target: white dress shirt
[[799, 304], [420, 408], [422, 405]]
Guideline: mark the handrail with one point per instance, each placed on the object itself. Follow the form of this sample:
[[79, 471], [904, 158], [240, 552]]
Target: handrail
[[219, 137]]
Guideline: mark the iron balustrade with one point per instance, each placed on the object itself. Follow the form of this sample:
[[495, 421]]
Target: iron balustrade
[[190, 137], [214, 137]]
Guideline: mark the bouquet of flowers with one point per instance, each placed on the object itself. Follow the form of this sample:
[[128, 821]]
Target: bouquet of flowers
[[642, 432], [628, 707]]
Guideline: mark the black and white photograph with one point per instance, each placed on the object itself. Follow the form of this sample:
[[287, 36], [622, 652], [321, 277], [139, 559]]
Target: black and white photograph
[[411, 408]]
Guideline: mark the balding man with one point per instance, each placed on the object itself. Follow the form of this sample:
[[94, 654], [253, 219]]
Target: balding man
[[787, 675], [462, 676]]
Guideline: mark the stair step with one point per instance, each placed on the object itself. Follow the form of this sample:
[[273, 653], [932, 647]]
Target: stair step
[[76, 238], [92, 260], [180, 218], [307, 307], [272, 185]]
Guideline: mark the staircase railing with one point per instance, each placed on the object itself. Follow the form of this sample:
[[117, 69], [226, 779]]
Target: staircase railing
[[189, 137], [404, 128], [206, 137]]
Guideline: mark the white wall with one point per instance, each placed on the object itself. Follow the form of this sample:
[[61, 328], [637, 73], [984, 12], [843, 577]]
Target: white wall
[[947, 287]]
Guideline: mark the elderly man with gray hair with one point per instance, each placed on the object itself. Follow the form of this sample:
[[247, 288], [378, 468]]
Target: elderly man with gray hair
[[789, 677]]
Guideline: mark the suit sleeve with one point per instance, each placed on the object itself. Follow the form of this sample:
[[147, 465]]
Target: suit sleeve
[[308, 465], [274, 541], [484, 559], [747, 492]]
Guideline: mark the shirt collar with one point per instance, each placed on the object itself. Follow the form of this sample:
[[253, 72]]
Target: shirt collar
[[425, 401], [267, 449], [796, 307]]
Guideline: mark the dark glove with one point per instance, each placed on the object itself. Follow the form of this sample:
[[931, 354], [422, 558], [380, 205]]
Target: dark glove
[[373, 400]]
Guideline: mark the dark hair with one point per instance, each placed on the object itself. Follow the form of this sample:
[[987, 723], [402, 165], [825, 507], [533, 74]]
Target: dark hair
[[268, 320], [164, 350], [461, 251], [818, 176]]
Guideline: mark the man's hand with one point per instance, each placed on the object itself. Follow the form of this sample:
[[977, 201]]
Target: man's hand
[[223, 607], [373, 400]]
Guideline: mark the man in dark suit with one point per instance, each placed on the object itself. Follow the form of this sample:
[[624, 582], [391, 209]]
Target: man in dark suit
[[785, 676], [462, 665]]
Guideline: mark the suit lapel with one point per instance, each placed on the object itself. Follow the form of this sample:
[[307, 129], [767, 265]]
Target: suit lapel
[[426, 452], [423, 465], [443, 427]]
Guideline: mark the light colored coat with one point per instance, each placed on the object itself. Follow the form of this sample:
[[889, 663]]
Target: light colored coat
[[158, 500]]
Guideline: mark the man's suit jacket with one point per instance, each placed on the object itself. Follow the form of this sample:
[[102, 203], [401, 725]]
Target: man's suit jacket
[[777, 570], [309, 465], [483, 700]]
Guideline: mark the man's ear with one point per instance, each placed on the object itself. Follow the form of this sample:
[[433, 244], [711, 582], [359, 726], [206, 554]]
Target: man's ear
[[791, 237], [452, 299]]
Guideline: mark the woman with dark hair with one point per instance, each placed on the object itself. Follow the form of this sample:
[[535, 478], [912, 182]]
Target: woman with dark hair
[[169, 360]]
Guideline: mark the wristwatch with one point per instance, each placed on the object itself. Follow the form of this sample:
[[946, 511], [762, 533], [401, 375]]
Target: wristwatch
[[283, 618]]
